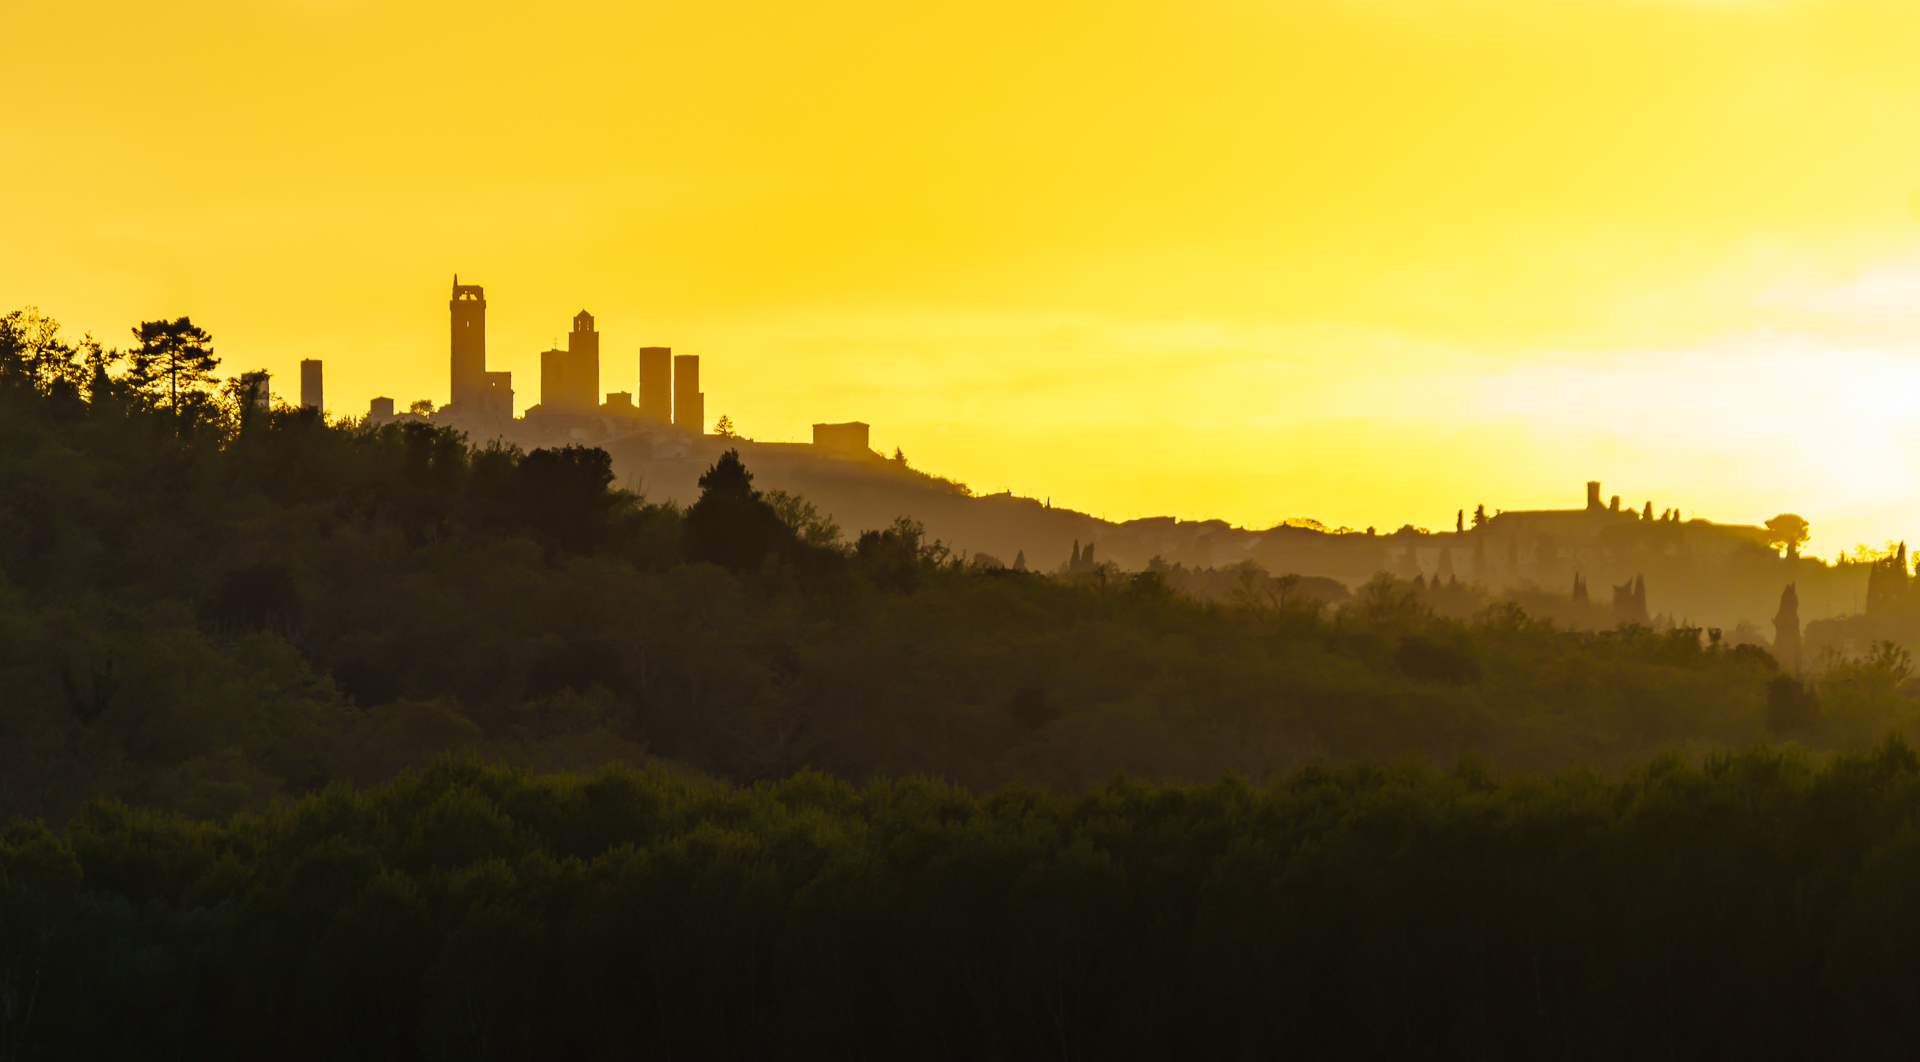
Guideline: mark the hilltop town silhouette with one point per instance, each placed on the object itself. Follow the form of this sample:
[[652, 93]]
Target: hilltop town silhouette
[[1604, 562], [665, 417]]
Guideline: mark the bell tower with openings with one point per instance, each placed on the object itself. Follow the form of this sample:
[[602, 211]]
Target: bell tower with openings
[[583, 365], [468, 309]]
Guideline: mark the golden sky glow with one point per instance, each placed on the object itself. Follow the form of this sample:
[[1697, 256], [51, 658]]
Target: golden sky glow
[[1365, 260]]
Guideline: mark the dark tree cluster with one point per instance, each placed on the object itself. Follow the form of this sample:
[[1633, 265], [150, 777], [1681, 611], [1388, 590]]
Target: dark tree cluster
[[1754, 907]]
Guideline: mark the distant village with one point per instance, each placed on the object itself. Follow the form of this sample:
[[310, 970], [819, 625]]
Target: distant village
[[1631, 563], [665, 417]]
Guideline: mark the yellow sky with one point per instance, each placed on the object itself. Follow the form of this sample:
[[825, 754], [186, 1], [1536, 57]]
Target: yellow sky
[[1364, 260]]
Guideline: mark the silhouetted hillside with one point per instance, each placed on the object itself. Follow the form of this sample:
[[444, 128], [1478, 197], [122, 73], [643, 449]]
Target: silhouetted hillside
[[209, 605], [1697, 573]]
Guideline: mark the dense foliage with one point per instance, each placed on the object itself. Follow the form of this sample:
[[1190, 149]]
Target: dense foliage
[[209, 605], [1755, 907]]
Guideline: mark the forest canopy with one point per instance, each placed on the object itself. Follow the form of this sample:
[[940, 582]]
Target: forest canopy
[[1752, 907]]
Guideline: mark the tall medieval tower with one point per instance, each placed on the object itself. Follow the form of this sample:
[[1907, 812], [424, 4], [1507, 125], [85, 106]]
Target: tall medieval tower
[[583, 365], [468, 309]]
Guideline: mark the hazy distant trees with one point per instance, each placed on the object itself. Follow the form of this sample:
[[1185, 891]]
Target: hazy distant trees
[[1889, 584], [1788, 531], [1792, 709], [895, 556], [1630, 601], [804, 518], [1081, 560]]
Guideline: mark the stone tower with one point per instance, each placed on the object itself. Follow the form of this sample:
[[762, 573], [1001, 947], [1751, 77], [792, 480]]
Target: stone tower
[[656, 383], [689, 402], [468, 310], [311, 395], [583, 365]]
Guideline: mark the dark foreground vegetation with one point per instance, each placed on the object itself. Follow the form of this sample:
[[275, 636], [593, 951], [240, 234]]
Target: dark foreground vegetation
[[1755, 907], [209, 606], [329, 723]]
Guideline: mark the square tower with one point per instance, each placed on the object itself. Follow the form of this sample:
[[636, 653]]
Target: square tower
[[689, 404], [583, 365], [310, 393], [656, 383], [554, 388], [468, 312]]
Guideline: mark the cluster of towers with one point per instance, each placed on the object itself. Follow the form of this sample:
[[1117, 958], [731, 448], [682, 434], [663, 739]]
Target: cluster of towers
[[569, 378]]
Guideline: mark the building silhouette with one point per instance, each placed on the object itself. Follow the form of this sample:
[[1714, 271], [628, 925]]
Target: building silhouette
[[310, 390], [570, 403], [380, 409], [553, 381], [689, 404], [468, 313], [583, 364], [656, 383], [570, 378], [474, 393], [848, 438], [497, 400]]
